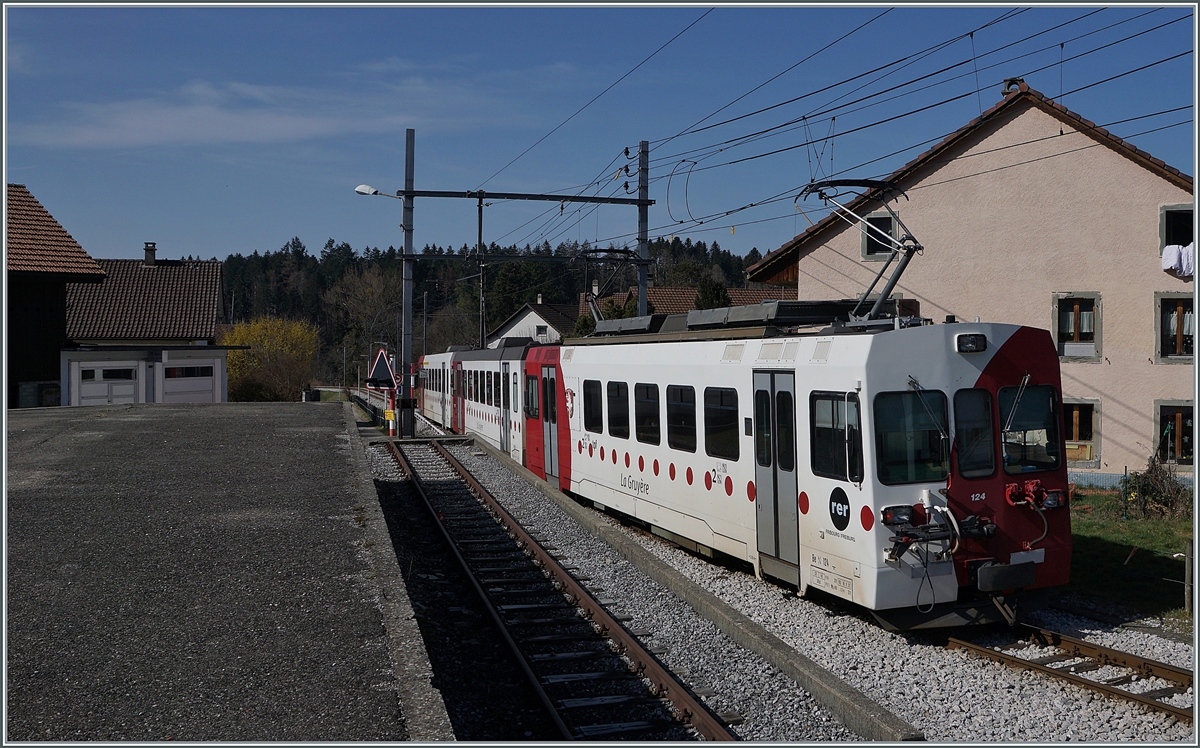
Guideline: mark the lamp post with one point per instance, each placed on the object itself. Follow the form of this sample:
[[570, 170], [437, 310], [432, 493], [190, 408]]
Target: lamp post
[[406, 380]]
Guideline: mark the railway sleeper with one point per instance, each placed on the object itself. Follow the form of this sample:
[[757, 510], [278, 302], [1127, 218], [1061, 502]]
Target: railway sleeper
[[618, 728]]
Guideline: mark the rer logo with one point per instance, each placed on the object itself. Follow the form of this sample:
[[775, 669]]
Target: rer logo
[[839, 509]]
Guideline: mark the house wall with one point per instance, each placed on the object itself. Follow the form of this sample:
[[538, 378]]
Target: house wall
[[1018, 215], [526, 326]]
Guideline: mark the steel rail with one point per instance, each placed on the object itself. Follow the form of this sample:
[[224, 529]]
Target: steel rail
[[666, 685], [547, 702], [1099, 655]]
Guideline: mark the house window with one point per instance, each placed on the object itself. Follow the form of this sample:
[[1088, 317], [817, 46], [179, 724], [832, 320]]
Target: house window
[[1174, 430], [593, 415], [542, 330], [1077, 325], [1175, 328], [1174, 226], [873, 245], [187, 372], [1080, 432]]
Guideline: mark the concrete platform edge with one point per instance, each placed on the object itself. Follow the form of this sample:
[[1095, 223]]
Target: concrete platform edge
[[421, 704], [849, 705]]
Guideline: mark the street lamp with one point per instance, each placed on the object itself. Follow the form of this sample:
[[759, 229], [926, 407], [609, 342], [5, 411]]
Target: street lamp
[[407, 399]]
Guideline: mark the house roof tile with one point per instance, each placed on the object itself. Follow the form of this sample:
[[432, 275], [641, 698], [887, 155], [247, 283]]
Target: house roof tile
[[170, 300], [39, 244], [776, 263]]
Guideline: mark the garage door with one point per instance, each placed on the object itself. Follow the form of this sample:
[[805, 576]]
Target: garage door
[[99, 386], [188, 384]]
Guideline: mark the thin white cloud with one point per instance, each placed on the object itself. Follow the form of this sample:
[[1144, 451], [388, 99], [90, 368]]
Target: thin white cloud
[[203, 112]]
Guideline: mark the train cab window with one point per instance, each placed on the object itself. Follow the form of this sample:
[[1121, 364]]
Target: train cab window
[[1029, 429], [531, 396], [973, 430], [911, 442], [593, 413], [836, 435], [618, 410], [681, 417], [721, 422], [645, 413]]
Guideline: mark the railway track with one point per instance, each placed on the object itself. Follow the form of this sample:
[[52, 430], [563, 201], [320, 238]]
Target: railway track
[[593, 676], [1108, 671]]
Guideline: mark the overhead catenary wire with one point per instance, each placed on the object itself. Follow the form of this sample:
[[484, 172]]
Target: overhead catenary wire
[[787, 126], [597, 96]]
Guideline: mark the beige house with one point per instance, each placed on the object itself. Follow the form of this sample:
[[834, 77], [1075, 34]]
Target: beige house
[[1032, 215]]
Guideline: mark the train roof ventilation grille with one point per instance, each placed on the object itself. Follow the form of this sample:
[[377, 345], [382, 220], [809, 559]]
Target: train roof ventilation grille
[[821, 352], [790, 349], [733, 352], [770, 351]]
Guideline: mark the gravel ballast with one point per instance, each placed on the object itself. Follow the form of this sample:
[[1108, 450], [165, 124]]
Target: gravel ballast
[[950, 695]]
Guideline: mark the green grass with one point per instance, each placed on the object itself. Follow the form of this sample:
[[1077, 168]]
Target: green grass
[[1102, 565], [330, 396]]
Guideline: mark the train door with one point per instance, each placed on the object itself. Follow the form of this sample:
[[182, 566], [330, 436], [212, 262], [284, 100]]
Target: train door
[[775, 474], [443, 396], [502, 406], [550, 420], [457, 402]]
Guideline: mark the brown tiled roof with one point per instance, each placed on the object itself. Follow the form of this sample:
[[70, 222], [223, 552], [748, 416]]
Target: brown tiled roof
[[777, 263], [171, 300], [39, 244]]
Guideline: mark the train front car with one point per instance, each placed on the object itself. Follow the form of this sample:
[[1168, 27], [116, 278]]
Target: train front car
[[968, 498]]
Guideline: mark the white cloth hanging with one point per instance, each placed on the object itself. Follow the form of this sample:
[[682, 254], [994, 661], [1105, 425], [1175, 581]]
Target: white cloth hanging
[[1171, 260], [1187, 260]]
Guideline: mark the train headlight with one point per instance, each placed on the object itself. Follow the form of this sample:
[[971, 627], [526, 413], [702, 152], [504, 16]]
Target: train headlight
[[896, 515], [971, 342]]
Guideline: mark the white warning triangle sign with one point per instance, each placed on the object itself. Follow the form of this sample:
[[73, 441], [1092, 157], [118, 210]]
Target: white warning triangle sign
[[381, 376]]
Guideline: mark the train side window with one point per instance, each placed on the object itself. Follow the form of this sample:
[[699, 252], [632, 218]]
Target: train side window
[[681, 417], [505, 391], [618, 410], [1029, 421], [516, 397], [721, 422], [497, 391], [531, 396], [645, 413], [593, 415], [836, 435], [911, 442], [762, 427], [973, 433]]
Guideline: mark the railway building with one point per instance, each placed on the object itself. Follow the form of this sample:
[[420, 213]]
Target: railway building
[[1032, 215], [41, 259]]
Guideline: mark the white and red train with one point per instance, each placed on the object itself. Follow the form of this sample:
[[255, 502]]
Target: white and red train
[[915, 469]]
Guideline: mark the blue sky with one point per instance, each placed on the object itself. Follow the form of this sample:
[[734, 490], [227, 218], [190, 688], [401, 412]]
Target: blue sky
[[219, 130]]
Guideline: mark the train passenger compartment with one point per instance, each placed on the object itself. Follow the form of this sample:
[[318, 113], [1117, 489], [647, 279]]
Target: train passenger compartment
[[435, 388], [485, 405]]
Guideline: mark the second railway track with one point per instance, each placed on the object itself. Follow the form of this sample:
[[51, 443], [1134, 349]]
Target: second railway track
[[593, 676], [1114, 673]]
